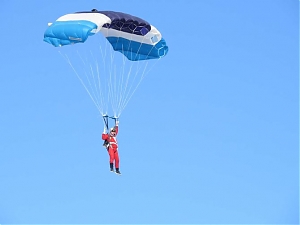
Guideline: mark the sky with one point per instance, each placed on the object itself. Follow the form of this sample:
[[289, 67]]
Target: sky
[[211, 136]]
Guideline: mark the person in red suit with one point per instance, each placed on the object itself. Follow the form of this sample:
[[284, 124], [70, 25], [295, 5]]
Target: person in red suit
[[111, 144]]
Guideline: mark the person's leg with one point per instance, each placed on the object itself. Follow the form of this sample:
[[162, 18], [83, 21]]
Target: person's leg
[[111, 158], [117, 162]]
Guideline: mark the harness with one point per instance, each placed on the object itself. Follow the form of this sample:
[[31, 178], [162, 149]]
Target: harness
[[110, 143], [107, 143]]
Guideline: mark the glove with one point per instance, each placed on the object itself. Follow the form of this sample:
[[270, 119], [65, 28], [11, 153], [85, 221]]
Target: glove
[[117, 122]]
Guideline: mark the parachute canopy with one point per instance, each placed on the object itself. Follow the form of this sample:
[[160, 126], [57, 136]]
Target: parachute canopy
[[130, 35]]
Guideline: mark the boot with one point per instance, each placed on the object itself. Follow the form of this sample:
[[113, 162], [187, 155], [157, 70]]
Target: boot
[[111, 167], [118, 171]]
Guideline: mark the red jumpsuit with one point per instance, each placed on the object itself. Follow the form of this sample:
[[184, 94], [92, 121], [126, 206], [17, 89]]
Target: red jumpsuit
[[113, 147]]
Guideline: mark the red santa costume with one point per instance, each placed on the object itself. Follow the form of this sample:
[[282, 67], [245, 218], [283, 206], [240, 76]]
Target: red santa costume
[[112, 147]]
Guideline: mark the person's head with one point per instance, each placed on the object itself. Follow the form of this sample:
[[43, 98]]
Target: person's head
[[112, 132]]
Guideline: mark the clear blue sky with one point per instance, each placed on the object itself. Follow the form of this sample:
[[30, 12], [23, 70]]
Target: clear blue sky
[[210, 137]]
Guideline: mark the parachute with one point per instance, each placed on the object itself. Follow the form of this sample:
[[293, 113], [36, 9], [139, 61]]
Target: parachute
[[111, 80]]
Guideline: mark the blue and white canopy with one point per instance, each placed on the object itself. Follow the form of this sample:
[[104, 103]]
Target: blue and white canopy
[[130, 35]]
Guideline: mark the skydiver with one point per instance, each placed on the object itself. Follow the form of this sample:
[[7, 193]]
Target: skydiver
[[111, 144]]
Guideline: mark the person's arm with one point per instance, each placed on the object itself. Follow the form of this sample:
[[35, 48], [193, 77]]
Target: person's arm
[[104, 134], [117, 126]]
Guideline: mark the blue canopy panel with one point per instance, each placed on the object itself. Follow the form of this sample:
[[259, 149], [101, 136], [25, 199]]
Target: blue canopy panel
[[69, 32], [135, 51]]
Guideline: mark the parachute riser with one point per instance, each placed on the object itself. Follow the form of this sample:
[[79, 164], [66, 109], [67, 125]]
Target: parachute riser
[[105, 118]]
